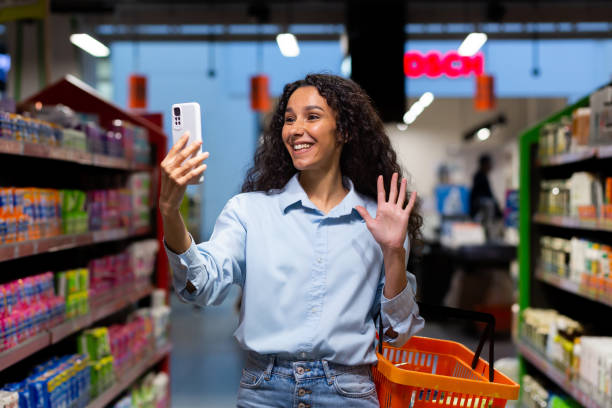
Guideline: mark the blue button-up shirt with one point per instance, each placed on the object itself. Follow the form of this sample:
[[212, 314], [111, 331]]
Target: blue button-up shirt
[[312, 282]]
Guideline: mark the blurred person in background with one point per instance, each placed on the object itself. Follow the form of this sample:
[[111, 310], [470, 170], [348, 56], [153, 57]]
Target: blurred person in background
[[316, 244], [482, 201]]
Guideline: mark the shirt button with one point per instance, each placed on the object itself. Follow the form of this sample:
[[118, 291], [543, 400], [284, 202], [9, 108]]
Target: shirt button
[[319, 260], [301, 405], [299, 370], [301, 392]]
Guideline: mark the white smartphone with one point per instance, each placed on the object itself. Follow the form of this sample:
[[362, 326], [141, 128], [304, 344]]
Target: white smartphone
[[186, 117]]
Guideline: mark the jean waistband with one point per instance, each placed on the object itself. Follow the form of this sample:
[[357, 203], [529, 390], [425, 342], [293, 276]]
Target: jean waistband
[[301, 369]]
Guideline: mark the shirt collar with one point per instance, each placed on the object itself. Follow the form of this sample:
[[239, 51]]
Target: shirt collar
[[293, 193]]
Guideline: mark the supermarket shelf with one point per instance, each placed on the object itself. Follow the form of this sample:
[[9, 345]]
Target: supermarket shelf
[[23, 350], [567, 158], [27, 149], [569, 286], [570, 222], [604, 151], [107, 305], [129, 377], [555, 374], [62, 242], [600, 152], [103, 307]]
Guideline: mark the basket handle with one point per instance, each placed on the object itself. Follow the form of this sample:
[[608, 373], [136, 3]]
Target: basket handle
[[432, 311]]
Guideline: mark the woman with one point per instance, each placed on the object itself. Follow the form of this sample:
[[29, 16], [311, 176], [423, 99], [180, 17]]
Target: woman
[[314, 242]]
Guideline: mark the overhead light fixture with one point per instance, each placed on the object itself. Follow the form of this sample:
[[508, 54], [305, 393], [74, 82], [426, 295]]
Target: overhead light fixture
[[346, 67], [418, 107], [483, 134], [472, 43], [426, 99], [288, 45], [89, 44], [483, 130], [402, 126]]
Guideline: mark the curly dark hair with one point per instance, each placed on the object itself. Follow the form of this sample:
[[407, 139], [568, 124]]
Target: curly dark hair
[[367, 151]]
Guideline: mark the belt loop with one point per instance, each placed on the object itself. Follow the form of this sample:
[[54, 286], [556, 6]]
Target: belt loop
[[328, 373], [268, 372]]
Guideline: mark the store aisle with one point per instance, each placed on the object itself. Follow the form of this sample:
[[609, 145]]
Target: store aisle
[[206, 360]]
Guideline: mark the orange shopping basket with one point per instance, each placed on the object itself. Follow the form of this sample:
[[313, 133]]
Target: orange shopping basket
[[440, 373]]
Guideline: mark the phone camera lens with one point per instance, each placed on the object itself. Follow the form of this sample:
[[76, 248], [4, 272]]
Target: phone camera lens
[[177, 111]]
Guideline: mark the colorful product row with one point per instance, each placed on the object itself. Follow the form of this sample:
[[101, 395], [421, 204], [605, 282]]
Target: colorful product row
[[587, 360], [73, 285], [586, 263], [27, 307], [535, 395], [28, 213], [95, 344], [59, 383], [34, 213], [150, 392], [122, 140], [583, 196], [17, 127], [136, 263]]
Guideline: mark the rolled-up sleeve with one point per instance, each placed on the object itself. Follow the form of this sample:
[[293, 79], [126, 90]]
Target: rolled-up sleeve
[[402, 314], [205, 272]]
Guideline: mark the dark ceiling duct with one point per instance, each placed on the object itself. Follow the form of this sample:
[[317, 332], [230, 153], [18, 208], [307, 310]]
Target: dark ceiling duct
[[376, 45]]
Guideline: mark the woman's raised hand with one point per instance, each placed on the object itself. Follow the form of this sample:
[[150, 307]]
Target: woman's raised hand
[[177, 172], [391, 223]]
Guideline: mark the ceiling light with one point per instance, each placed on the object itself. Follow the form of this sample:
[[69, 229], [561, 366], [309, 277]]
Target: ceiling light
[[426, 99], [483, 134], [402, 126], [346, 67], [417, 108], [89, 44], [472, 43], [555, 190], [5, 62], [288, 45]]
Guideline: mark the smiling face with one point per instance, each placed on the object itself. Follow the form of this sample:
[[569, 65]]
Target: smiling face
[[309, 131]]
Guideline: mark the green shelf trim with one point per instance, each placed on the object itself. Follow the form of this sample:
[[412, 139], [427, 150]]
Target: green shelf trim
[[527, 140]]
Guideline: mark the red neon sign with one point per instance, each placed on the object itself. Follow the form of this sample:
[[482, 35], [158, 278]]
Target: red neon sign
[[433, 64]]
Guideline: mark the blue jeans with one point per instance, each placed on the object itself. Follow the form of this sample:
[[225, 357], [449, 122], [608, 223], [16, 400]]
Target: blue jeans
[[268, 381]]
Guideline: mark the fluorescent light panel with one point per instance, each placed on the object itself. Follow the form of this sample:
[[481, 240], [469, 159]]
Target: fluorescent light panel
[[288, 45], [89, 44], [418, 107], [472, 43]]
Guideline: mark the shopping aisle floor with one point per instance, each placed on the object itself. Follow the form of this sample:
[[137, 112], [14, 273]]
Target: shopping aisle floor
[[206, 361]]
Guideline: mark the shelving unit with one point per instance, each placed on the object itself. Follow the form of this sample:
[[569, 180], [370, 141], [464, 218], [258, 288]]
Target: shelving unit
[[75, 94], [556, 375], [570, 222], [25, 349], [62, 242], [568, 158], [107, 305], [601, 152], [129, 377], [534, 281], [569, 286], [40, 151]]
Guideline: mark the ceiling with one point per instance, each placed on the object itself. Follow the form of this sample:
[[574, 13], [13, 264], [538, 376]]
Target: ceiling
[[331, 11], [134, 13]]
